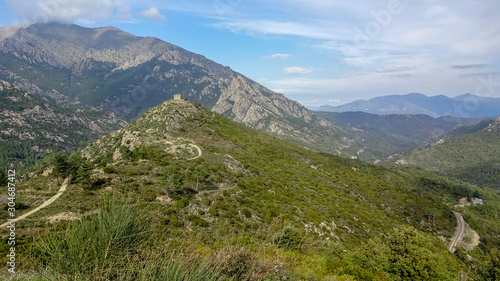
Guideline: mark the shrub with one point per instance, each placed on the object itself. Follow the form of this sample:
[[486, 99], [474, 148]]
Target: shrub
[[213, 211], [246, 212], [183, 202], [94, 248], [289, 238], [109, 170], [196, 220], [149, 196]]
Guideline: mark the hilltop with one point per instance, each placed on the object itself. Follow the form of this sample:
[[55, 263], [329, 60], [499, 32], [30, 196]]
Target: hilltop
[[216, 198]]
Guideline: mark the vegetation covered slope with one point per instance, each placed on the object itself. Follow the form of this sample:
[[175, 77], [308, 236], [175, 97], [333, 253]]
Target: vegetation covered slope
[[381, 136], [471, 154], [216, 199], [31, 128]]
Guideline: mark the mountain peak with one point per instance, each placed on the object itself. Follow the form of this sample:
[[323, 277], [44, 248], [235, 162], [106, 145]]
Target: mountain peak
[[168, 125]]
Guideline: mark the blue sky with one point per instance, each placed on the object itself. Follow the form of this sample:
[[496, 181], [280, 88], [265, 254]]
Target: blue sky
[[315, 52]]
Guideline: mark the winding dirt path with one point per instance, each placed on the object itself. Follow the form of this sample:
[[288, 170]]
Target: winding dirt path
[[459, 233], [199, 152], [44, 204]]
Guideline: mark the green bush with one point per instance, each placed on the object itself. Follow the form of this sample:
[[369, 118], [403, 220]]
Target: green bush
[[109, 170], [213, 211], [196, 220], [246, 212], [183, 202], [289, 238]]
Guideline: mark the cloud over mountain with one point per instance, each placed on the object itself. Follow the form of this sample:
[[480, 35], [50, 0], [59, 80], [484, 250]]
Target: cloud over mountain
[[153, 13]]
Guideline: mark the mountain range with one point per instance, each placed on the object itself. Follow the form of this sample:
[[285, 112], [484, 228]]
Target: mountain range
[[118, 72], [109, 70], [231, 182], [465, 106]]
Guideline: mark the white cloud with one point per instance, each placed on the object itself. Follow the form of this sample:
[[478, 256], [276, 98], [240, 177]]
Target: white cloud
[[393, 68], [153, 13], [298, 70], [279, 56], [69, 11]]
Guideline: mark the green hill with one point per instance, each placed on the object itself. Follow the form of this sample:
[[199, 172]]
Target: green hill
[[183, 193], [470, 154]]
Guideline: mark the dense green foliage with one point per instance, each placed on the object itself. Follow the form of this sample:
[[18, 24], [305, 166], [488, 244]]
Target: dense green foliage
[[254, 207], [472, 158]]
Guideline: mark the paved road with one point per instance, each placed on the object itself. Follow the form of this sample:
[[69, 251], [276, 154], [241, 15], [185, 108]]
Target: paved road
[[45, 204], [459, 233]]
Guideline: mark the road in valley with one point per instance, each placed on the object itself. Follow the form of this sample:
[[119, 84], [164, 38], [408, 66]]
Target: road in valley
[[459, 233]]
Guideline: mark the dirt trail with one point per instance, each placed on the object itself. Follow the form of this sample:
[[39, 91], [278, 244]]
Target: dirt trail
[[199, 152], [44, 204]]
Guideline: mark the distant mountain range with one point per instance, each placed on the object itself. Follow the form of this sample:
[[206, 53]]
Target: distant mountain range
[[466, 106]]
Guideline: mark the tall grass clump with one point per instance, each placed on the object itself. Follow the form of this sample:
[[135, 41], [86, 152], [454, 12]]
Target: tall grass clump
[[94, 248], [113, 245]]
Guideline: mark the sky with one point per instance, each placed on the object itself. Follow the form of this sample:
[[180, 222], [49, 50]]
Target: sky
[[316, 51]]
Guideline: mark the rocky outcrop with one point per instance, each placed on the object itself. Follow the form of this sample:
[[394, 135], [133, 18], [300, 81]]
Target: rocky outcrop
[[494, 127], [31, 127]]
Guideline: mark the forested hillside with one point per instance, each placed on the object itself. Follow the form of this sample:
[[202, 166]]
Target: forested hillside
[[183, 193]]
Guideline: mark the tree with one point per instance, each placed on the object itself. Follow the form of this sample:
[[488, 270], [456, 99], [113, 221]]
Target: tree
[[61, 166], [410, 257], [476, 194]]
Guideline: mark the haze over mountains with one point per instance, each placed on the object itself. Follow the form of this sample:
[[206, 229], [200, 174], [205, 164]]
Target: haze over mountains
[[466, 106]]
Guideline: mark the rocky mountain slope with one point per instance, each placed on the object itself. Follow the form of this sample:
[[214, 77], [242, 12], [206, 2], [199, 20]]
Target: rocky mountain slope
[[245, 205], [110, 69], [465, 106], [31, 127]]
